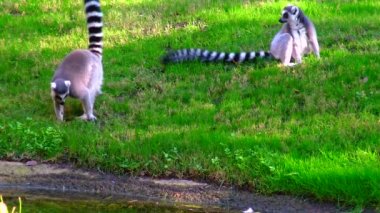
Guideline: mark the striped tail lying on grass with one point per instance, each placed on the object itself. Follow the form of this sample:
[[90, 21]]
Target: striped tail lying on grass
[[212, 56]]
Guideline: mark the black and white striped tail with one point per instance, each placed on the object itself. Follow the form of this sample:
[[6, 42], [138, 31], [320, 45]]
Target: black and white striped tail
[[94, 24], [212, 56]]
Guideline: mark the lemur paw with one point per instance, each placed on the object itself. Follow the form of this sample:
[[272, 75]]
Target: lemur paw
[[291, 64], [91, 118], [87, 118], [83, 117], [60, 118]]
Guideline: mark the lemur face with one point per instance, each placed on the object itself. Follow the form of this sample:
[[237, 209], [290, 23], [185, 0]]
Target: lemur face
[[60, 89], [289, 14]]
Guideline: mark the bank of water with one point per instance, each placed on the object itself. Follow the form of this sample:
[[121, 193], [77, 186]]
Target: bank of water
[[63, 188]]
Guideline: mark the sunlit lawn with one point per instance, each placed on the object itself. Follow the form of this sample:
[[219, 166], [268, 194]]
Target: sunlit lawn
[[312, 130]]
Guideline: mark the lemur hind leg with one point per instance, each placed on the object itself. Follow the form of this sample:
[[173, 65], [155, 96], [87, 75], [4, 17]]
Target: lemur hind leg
[[88, 106], [282, 48]]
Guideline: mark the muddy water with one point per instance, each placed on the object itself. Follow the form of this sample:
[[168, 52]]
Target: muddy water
[[37, 200], [63, 188], [48, 205]]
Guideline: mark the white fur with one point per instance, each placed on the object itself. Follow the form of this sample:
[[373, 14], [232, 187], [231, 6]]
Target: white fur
[[295, 39], [68, 83], [97, 14], [91, 3]]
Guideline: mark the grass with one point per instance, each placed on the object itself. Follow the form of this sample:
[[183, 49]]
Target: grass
[[4, 208], [312, 130]]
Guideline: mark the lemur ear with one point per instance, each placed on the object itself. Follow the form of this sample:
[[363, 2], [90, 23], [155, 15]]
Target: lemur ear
[[68, 83], [53, 85], [294, 10]]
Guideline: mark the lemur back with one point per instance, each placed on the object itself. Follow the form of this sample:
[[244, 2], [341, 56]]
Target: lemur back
[[80, 75], [296, 38]]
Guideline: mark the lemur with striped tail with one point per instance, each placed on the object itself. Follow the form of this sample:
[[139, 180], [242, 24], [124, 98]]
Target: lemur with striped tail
[[80, 75], [296, 38]]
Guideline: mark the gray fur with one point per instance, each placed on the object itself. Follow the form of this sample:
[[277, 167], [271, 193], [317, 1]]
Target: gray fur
[[296, 38], [80, 75]]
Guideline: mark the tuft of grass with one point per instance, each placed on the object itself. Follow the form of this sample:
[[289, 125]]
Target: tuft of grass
[[4, 208], [312, 130], [27, 140]]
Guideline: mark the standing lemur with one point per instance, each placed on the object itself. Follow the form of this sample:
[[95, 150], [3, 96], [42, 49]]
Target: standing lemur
[[80, 75], [296, 38]]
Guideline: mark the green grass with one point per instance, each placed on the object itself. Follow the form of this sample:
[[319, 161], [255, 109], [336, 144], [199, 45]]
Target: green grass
[[312, 130]]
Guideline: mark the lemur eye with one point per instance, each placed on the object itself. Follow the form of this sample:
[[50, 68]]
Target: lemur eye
[[286, 15]]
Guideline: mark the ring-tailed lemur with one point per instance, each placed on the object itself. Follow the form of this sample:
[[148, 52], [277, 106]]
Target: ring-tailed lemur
[[296, 38], [80, 75]]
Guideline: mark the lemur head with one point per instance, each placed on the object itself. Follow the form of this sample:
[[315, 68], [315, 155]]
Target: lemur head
[[60, 89], [290, 14]]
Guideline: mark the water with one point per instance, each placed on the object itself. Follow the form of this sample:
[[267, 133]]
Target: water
[[49, 206], [38, 204]]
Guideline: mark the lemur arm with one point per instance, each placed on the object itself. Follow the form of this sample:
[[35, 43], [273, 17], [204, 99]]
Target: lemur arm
[[312, 35]]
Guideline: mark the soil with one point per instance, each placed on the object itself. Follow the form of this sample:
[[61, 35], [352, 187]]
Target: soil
[[67, 182]]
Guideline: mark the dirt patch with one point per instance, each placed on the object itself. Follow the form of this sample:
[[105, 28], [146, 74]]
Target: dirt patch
[[64, 181]]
